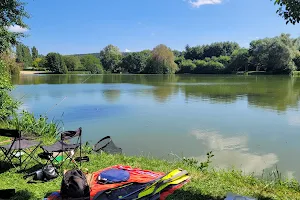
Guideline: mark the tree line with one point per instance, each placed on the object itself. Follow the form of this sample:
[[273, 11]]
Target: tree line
[[277, 55]]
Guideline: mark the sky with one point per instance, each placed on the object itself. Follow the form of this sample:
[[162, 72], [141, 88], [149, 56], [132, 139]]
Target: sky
[[76, 26]]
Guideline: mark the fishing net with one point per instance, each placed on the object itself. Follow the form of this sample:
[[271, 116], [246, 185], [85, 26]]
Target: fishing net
[[107, 145]]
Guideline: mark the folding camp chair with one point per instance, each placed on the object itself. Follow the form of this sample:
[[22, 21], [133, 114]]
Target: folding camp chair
[[63, 147], [18, 148]]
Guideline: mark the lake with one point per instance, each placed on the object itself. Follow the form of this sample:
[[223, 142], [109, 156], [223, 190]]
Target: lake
[[249, 122]]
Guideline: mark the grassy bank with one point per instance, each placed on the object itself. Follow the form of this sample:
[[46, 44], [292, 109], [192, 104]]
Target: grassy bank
[[204, 185]]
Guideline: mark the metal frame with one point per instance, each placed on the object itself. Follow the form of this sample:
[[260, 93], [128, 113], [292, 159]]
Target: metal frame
[[9, 154]]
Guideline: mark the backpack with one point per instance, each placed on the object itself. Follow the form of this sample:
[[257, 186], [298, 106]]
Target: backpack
[[74, 185]]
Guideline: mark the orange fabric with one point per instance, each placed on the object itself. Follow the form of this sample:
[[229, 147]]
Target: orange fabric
[[171, 190], [136, 176]]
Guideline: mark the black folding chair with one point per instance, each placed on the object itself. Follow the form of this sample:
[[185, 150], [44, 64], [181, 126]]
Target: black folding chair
[[19, 146], [63, 147]]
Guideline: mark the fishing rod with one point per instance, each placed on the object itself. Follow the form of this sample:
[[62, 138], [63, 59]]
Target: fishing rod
[[55, 105]]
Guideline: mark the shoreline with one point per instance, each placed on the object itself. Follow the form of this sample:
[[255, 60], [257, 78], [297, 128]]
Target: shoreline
[[30, 72]]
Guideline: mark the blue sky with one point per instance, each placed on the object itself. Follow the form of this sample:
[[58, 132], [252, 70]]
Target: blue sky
[[73, 26]]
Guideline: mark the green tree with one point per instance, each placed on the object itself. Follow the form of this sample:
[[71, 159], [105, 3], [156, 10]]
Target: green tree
[[34, 52], [136, 62], [240, 60], [161, 61], [27, 59], [208, 67], [219, 49], [23, 55], [225, 60], [177, 53], [72, 62], [19, 53], [92, 64], [297, 60], [7, 104], [110, 58], [10, 62], [216, 49], [289, 10], [272, 54], [193, 53], [12, 14], [36, 63], [186, 66], [55, 63]]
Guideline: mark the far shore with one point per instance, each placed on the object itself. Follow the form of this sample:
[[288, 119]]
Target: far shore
[[32, 72]]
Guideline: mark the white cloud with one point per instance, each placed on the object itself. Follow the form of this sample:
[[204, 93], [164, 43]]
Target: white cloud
[[198, 3], [127, 50], [215, 141], [234, 152], [17, 29]]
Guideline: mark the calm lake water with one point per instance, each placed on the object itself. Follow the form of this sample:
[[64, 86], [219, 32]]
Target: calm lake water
[[251, 123]]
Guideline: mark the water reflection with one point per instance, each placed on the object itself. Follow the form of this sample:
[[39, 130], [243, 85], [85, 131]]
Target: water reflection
[[267, 92], [234, 152], [154, 109]]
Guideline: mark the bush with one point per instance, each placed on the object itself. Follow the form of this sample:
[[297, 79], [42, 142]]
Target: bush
[[210, 67], [12, 66], [34, 126], [186, 66], [200, 66], [55, 63], [296, 73], [297, 60], [95, 68], [7, 104]]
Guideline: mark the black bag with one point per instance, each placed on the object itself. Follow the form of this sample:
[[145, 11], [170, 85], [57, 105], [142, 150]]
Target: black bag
[[45, 174], [50, 172], [74, 185]]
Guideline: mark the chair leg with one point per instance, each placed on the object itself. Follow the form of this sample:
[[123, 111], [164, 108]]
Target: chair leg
[[30, 156]]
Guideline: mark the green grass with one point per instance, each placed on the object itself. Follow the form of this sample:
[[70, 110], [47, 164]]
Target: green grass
[[204, 185]]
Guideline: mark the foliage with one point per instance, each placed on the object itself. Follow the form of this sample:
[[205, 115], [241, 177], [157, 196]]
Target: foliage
[[92, 64], [273, 54], [207, 51], [297, 60], [34, 53], [95, 69], [225, 60], [240, 59], [161, 61], [10, 62], [210, 67], [202, 166], [136, 62], [289, 10], [54, 62], [31, 125], [23, 55], [110, 58], [73, 63], [37, 63], [7, 104], [186, 66], [179, 60], [12, 13], [177, 53]]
